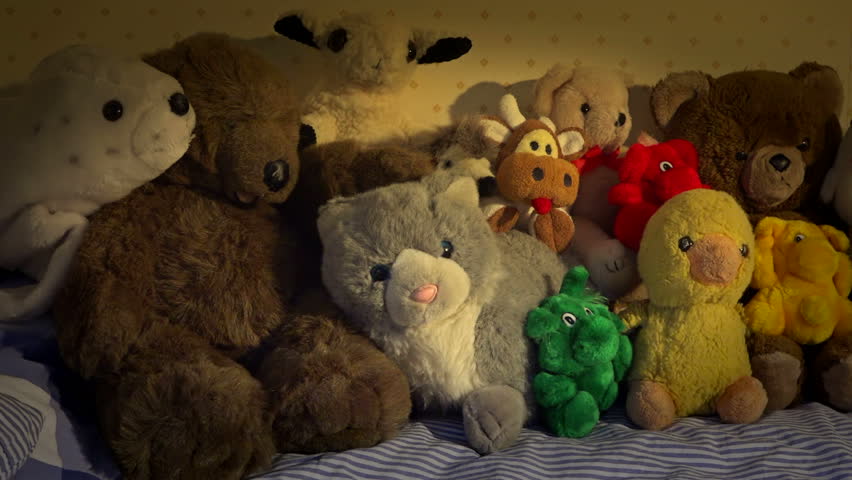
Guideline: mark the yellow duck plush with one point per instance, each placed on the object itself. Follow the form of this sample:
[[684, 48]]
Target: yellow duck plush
[[696, 260], [804, 279]]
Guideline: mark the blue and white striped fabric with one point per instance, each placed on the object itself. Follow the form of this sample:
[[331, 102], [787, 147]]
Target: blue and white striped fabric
[[20, 426], [809, 442]]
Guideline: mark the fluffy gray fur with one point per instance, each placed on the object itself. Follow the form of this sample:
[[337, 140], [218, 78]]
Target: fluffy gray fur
[[466, 349]]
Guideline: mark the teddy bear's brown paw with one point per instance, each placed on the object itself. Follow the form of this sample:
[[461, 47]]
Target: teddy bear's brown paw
[[837, 382], [198, 420], [650, 405], [779, 374], [744, 401], [333, 390]]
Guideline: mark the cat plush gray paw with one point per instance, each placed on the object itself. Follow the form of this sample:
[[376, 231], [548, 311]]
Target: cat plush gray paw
[[493, 417], [612, 267]]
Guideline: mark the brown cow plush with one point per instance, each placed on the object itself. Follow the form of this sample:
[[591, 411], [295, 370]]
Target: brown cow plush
[[194, 307]]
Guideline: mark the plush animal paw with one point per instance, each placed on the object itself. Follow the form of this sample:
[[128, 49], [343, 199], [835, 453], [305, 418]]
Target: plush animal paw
[[188, 420], [778, 363], [493, 417], [833, 366], [333, 390], [575, 418], [765, 312], [650, 405], [504, 219], [744, 401], [555, 229], [612, 268]]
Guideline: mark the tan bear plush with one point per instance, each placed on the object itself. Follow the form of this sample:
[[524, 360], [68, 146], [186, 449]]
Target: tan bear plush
[[594, 99], [767, 138], [195, 307]]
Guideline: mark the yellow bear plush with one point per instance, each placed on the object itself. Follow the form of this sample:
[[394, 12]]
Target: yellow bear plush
[[804, 278], [696, 260]]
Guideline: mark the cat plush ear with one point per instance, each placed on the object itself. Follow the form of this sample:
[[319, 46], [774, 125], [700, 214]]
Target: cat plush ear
[[462, 190], [299, 27], [433, 48], [331, 215]]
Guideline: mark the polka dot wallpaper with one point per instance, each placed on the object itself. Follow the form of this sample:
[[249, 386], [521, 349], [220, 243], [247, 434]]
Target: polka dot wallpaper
[[514, 42]]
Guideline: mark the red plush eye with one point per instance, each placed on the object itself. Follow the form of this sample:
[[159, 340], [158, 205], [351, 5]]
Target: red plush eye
[[666, 166]]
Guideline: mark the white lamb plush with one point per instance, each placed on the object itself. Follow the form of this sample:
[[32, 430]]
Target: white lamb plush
[[87, 128], [366, 59]]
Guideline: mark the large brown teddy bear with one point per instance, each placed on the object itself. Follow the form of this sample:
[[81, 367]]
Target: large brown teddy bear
[[188, 307], [768, 139]]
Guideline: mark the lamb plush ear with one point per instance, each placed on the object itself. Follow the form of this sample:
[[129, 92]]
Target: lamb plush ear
[[463, 190], [299, 27], [431, 49], [547, 85], [571, 141], [675, 90], [823, 83], [494, 131]]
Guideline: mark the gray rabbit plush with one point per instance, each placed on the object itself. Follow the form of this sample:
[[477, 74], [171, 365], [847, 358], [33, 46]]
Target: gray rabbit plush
[[417, 268]]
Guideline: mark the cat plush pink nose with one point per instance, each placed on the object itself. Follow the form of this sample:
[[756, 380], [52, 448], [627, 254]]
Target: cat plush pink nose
[[425, 294]]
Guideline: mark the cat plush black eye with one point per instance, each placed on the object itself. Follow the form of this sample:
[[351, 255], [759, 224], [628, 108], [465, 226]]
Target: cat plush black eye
[[448, 249], [380, 273]]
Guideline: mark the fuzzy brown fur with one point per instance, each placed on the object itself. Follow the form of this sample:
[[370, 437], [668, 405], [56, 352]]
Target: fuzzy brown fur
[[764, 114], [189, 311]]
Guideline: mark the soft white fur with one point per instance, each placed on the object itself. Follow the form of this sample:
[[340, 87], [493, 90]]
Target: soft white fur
[[61, 160], [354, 94], [837, 186]]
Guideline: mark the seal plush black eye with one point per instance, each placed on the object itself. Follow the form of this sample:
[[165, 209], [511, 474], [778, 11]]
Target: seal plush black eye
[[380, 273], [337, 40], [685, 243], [113, 110]]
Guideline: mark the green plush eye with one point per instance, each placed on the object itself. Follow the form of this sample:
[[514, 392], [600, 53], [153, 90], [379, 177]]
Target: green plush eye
[[569, 319], [588, 311]]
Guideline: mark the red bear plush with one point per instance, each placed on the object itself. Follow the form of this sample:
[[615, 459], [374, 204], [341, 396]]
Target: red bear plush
[[650, 174]]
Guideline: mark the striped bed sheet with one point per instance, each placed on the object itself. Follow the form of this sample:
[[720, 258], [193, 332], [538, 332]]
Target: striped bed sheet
[[47, 432]]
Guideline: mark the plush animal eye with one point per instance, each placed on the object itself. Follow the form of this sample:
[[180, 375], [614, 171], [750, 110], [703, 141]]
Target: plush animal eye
[[448, 164], [742, 156], [337, 40], [548, 149], [666, 166], [798, 238], [412, 52], [380, 273], [569, 319], [567, 180], [588, 311], [534, 145], [622, 119], [113, 110], [585, 108], [448, 249], [744, 251], [805, 145], [685, 243]]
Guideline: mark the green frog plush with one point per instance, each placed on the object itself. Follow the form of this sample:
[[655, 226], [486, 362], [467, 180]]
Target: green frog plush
[[582, 355]]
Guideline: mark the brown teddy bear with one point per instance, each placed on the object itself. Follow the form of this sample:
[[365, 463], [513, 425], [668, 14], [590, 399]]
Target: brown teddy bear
[[768, 139], [191, 306]]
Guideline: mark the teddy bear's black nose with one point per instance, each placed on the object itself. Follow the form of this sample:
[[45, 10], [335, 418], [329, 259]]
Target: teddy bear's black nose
[[780, 162], [276, 175], [179, 104], [622, 119]]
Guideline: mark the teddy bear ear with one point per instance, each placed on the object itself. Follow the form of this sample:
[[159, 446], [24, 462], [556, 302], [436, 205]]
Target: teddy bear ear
[[299, 27], [838, 239], [431, 48], [571, 141], [675, 90], [823, 84], [547, 85]]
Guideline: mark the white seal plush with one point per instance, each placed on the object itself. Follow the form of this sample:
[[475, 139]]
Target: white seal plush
[[88, 127]]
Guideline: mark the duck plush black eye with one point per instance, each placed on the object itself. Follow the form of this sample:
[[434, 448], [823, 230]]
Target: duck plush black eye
[[113, 110], [744, 251], [412, 52], [685, 243]]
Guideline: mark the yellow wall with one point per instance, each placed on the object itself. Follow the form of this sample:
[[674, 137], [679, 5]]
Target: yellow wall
[[512, 41]]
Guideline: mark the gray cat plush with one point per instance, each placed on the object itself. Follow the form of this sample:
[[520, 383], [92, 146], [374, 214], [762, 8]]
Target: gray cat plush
[[417, 268]]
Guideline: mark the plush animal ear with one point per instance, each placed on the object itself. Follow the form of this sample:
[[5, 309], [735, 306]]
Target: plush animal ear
[[307, 137], [430, 50], [76, 59], [463, 190], [494, 132], [646, 139], [540, 323], [510, 112], [299, 27], [766, 233], [675, 90], [823, 84], [838, 239], [574, 282], [571, 141], [330, 216], [547, 85]]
